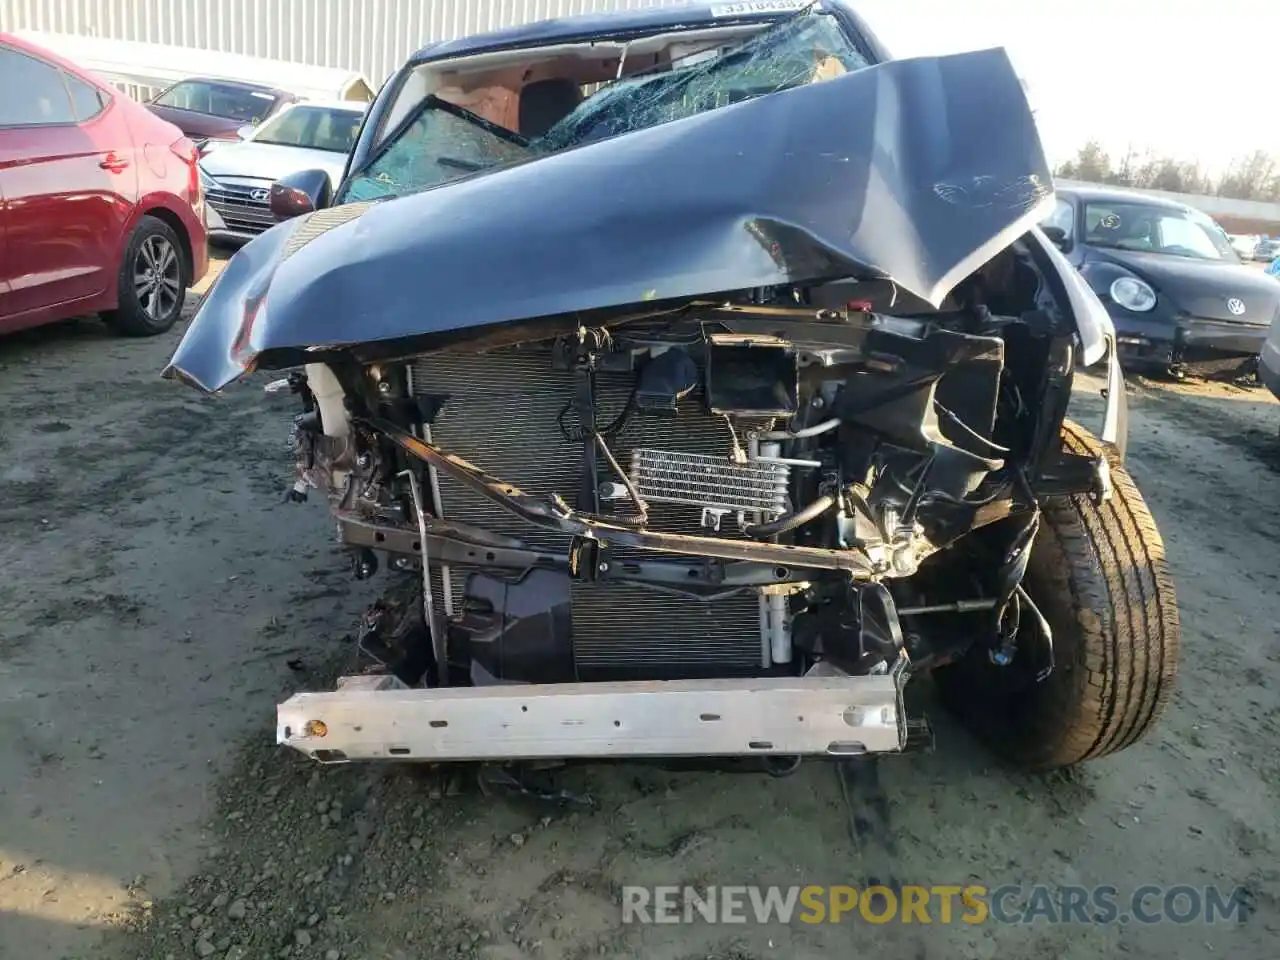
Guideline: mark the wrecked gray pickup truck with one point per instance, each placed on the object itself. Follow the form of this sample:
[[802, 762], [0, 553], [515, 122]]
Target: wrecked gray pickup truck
[[697, 376]]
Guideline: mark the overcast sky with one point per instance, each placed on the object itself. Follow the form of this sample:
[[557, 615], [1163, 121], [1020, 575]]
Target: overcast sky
[[1199, 79]]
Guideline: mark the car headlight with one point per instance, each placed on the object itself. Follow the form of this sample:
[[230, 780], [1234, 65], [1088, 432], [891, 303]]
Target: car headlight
[[1133, 294], [207, 181]]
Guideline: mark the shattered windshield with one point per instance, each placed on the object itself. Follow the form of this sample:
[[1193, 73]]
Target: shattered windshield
[[441, 142], [802, 50]]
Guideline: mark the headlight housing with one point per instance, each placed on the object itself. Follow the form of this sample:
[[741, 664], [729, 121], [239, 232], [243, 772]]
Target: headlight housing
[[207, 181], [1133, 294]]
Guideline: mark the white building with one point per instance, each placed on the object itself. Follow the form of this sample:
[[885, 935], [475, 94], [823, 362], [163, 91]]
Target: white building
[[370, 36]]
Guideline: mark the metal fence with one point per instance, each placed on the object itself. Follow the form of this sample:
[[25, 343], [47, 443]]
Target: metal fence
[[372, 36]]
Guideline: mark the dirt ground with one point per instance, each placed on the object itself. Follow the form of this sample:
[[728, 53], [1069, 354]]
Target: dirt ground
[[158, 599]]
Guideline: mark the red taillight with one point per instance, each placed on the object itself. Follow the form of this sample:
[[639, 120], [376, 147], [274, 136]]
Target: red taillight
[[186, 151]]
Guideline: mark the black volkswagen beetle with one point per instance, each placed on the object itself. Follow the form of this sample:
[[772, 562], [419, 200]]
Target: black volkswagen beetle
[[1176, 291]]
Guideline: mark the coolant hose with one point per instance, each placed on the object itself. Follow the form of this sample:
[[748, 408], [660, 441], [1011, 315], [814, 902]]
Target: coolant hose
[[816, 430], [790, 521]]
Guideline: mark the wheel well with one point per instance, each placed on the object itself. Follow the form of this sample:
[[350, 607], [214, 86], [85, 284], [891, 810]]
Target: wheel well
[[174, 221]]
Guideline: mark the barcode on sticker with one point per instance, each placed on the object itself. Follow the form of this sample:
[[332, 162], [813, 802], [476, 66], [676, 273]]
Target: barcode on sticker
[[747, 8]]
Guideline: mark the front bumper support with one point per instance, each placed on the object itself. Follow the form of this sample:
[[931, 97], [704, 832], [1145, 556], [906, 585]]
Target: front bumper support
[[1161, 341], [377, 718], [555, 515]]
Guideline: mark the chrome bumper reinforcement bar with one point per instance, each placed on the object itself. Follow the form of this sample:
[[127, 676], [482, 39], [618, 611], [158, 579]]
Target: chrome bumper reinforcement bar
[[377, 718]]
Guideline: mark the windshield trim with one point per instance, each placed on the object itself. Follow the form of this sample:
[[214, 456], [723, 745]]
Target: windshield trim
[[595, 29]]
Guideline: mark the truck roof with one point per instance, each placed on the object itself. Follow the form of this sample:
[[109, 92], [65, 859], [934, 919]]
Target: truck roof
[[619, 23]]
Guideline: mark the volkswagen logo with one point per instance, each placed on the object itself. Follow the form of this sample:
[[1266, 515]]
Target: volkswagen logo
[[1236, 306], [261, 195]]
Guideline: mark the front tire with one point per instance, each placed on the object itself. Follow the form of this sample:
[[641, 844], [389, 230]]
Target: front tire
[[152, 281], [1098, 574]]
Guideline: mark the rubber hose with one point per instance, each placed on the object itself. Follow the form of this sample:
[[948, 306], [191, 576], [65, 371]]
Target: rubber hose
[[790, 521], [781, 765], [816, 430]]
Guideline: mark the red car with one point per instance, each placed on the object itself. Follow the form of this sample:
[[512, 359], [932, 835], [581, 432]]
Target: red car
[[101, 209]]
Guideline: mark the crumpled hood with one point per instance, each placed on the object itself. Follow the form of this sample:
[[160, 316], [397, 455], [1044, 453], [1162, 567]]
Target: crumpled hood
[[919, 170]]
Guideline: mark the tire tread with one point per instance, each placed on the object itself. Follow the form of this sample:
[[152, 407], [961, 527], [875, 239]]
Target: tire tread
[[1099, 574], [1131, 652]]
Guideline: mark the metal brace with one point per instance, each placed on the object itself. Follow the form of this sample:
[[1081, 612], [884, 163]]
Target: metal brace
[[439, 638], [588, 559], [711, 518]]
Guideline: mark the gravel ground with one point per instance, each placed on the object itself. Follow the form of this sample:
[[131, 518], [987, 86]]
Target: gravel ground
[[159, 599]]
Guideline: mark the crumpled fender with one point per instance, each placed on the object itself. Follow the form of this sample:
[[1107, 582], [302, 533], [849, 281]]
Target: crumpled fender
[[1093, 323], [919, 170], [217, 347]]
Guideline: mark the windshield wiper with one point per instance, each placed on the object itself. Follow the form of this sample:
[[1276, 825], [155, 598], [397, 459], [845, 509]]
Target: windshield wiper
[[470, 166]]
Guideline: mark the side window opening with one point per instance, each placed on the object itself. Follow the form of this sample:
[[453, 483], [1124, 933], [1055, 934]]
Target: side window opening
[[1062, 217], [86, 99], [36, 92]]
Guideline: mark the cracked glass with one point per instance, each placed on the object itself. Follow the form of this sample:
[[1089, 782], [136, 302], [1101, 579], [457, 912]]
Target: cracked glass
[[442, 142], [806, 48]]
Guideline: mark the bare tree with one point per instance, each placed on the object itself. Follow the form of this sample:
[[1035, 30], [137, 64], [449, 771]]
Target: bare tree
[[1091, 164], [1125, 175], [1171, 174], [1255, 177]]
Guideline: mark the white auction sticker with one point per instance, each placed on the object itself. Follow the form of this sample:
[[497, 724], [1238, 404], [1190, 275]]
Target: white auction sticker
[[747, 8]]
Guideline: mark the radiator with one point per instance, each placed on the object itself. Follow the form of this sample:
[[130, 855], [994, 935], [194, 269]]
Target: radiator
[[503, 415]]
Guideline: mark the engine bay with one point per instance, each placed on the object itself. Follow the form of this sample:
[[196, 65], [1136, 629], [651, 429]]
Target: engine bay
[[742, 488]]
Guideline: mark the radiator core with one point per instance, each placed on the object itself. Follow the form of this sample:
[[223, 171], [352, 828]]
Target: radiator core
[[503, 414]]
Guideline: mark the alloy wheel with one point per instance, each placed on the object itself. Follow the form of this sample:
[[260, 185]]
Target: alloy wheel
[[157, 278]]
